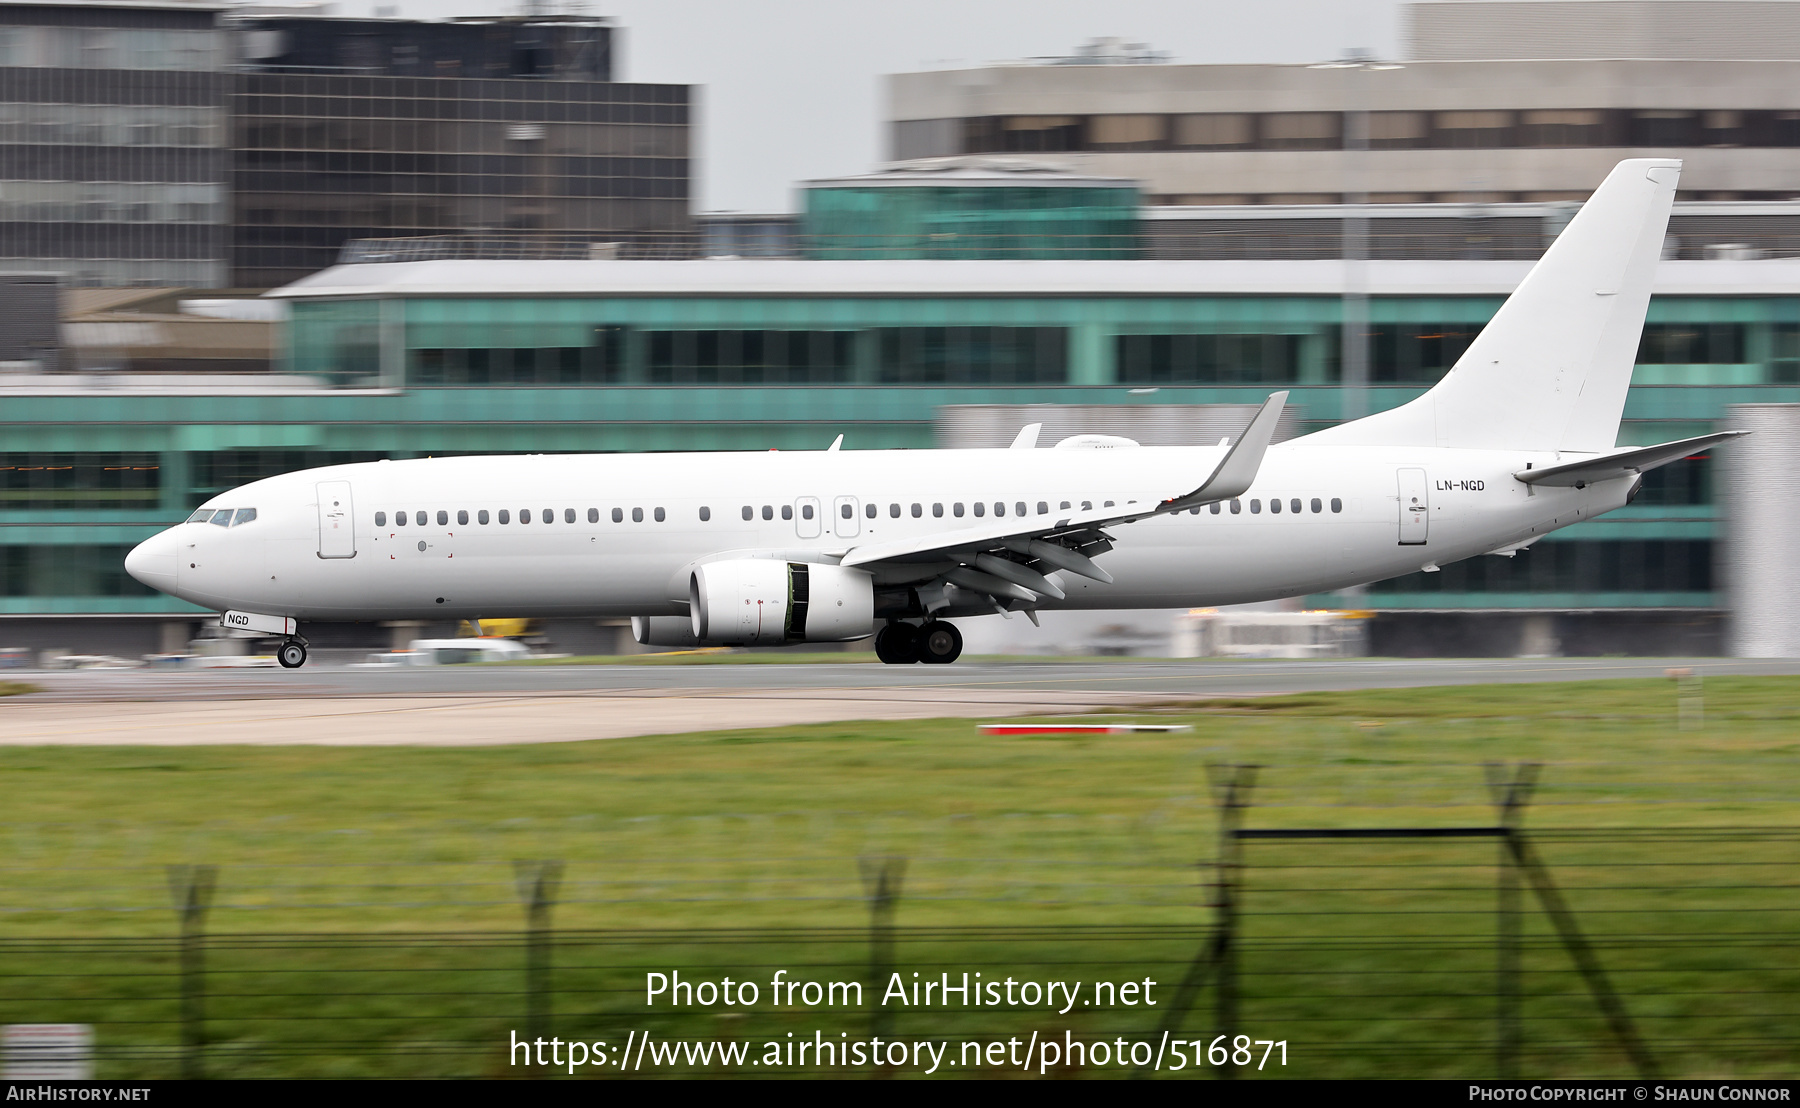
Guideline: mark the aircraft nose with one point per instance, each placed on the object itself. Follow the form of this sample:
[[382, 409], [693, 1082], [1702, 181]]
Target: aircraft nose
[[153, 561]]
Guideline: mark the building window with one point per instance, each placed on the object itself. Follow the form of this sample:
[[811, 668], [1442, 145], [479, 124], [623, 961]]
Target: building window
[[1575, 566], [1126, 132], [1473, 130], [1302, 130], [1208, 359], [973, 355], [1399, 130], [750, 357], [1214, 131], [1562, 127], [1664, 128], [1691, 344]]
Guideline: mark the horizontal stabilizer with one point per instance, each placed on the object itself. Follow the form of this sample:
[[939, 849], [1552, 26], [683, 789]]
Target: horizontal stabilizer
[[1622, 463]]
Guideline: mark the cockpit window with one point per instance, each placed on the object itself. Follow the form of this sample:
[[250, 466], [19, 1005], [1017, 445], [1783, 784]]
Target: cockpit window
[[221, 518], [201, 516], [244, 515]]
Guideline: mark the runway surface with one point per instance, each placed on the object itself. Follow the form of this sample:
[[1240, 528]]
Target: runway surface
[[499, 705]]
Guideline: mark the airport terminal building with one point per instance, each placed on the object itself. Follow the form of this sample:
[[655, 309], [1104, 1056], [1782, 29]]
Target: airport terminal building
[[416, 358]]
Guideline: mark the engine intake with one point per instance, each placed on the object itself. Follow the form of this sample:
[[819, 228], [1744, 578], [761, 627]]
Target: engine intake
[[763, 602]]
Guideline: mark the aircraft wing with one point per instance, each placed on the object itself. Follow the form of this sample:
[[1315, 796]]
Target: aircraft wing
[[1622, 463], [1011, 558]]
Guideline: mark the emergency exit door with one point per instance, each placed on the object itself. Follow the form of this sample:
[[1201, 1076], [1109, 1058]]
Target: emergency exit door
[[1415, 507], [337, 522]]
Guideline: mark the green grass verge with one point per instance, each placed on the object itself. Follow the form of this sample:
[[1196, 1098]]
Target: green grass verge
[[1360, 955]]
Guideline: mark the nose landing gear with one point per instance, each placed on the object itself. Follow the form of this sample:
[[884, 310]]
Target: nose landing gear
[[292, 654], [936, 643]]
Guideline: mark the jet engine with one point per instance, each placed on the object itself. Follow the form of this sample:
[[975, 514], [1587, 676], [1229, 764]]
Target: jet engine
[[764, 602]]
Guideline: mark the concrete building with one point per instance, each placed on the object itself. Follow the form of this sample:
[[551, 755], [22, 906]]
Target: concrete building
[[1496, 102]]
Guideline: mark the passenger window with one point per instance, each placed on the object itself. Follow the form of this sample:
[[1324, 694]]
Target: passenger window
[[1215, 507], [1193, 511], [1336, 504], [462, 518], [980, 509], [618, 515], [1256, 507], [937, 511], [894, 511], [1316, 506], [1294, 506], [505, 516], [918, 510], [1087, 505], [481, 517], [956, 509], [999, 507], [568, 515], [870, 510], [1019, 508], [1063, 507], [1237, 507], [806, 512], [205, 514], [525, 515], [749, 512], [1274, 505], [443, 518], [705, 513], [549, 515], [399, 519], [1108, 504], [846, 510], [593, 515], [419, 518], [787, 511], [381, 519], [661, 515], [1043, 508], [768, 512], [637, 515]]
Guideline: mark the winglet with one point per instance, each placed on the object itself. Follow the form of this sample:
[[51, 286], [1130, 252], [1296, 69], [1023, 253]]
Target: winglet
[[1026, 439], [1237, 471]]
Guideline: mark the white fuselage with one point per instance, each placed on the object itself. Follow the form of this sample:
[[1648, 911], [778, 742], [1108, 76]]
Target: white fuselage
[[582, 563]]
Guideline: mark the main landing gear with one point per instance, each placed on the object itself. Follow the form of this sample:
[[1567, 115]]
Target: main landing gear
[[292, 654], [936, 643]]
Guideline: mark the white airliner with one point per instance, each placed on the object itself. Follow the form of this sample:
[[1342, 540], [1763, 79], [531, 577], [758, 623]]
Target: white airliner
[[829, 546]]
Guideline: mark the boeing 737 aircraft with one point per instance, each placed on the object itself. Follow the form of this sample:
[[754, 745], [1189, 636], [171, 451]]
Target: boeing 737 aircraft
[[829, 546]]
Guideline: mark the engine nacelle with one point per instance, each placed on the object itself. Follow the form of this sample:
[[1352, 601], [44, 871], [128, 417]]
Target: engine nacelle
[[764, 602]]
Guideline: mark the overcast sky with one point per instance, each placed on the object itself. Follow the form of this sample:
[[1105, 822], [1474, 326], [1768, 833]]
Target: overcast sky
[[791, 89]]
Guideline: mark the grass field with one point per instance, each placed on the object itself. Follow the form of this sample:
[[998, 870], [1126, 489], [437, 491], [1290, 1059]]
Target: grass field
[[1368, 959]]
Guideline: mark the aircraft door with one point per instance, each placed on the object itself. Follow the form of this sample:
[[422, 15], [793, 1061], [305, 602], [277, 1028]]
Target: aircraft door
[[337, 520], [1415, 507], [806, 517], [845, 523]]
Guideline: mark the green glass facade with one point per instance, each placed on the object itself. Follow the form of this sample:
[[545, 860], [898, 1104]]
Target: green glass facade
[[968, 221], [86, 474]]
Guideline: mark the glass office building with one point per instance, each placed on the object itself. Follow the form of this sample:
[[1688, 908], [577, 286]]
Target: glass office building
[[351, 129], [114, 143]]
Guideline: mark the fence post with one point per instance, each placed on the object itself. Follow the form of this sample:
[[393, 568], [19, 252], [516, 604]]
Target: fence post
[[537, 882], [191, 889], [1232, 794], [1510, 795], [881, 878]]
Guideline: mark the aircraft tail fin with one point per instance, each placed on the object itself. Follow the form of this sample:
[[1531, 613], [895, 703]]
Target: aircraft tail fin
[[1550, 370]]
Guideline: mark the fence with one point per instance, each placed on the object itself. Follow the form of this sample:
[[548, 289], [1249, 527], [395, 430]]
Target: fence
[[1466, 951]]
